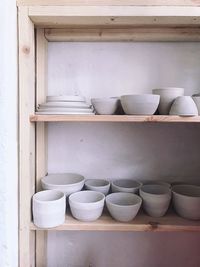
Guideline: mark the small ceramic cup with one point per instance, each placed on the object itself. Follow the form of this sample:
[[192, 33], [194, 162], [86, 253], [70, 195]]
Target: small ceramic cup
[[49, 208], [156, 199], [98, 185], [126, 185]]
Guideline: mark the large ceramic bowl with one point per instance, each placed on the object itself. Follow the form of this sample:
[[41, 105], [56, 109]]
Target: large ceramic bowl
[[67, 183], [186, 201], [156, 199], [167, 97], [98, 185], [49, 208], [125, 185], [123, 207], [140, 104], [184, 106], [105, 106], [86, 206]]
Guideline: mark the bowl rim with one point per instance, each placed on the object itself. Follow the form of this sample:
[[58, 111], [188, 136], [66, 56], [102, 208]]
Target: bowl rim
[[138, 198], [184, 195], [140, 95], [34, 197], [101, 186], [135, 187], [86, 192], [82, 179], [168, 190]]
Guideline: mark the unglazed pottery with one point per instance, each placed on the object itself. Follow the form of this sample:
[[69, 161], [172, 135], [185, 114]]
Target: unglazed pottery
[[67, 183], [146, 104], [105, 106], [123, 207], [125, 185], [156, 199], [49, 208], [64, 105], [167, 97], [99, 185], [186, 201], [65, 98], [184, 106], [87, 205], [197, 102], [158, 182]]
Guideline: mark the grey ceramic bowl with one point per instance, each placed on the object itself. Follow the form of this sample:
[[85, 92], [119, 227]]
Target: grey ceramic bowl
[[156, 199], [197, 102], [167, 97], [125, 185], [184, 106], [145, 104], [158, 182], [123, 207], [67, 183], [105, 106], [87, 205], [186, 201], [98, 185]]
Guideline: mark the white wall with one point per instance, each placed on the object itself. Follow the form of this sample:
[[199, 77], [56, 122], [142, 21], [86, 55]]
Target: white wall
[[8, 135], [112, 150]]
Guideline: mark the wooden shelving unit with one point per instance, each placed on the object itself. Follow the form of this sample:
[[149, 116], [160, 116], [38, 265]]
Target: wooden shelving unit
[[43, 21]]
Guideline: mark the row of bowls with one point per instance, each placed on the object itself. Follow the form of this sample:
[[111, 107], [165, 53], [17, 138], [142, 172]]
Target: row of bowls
[[123, 203], [169, 100]]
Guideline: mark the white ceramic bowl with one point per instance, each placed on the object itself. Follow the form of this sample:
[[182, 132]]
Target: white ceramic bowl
[[87, 206], [197, 102], [123, 207], [49, 208], [186, 201], [105, 106], [98, 185], [67, 183], [184, 106], [167, 97], [125, 185], [156, 199], [146, 104], [157, 182]]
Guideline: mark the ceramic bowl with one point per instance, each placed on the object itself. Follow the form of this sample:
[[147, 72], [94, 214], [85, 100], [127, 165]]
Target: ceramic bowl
[[67, 183], [123, 207], [98, 185], [197, 102], [186, 201], [156, 199], [49, 208], [184, 106], [167, 97], [105, 106], [157, 182], [86, 206], [140, 104], [125, 185]]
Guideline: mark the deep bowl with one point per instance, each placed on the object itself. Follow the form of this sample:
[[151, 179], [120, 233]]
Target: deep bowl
[[86, 205], [123, 207], [145, 104], [125, 185], [105, 106], [67, 183], [186, 201], [184, 106], [98, 185]]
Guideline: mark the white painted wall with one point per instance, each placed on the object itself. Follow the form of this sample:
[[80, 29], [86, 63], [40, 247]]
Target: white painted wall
[[112, 150], [8, 135]]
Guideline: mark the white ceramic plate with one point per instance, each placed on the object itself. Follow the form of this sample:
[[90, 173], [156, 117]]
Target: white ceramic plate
[[65, 98], [62, 113], [64, 105], [88, 110]]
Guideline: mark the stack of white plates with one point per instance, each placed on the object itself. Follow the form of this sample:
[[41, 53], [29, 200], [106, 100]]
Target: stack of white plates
[[65, 105]]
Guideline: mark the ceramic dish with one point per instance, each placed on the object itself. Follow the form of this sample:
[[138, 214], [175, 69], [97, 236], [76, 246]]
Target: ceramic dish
[[125, 185], [87, 206], [186, 201], [65, 98], [184, 106], [54, 109], [64, 105], [98, 185], [105, 106], [123, 207], [62, 113], [67, 183]]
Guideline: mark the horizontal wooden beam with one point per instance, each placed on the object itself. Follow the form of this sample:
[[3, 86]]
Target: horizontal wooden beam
[[113, 16], [135, 34]]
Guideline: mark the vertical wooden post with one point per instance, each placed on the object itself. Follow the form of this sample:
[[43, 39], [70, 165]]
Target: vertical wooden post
[[41, 135], [26, 136]]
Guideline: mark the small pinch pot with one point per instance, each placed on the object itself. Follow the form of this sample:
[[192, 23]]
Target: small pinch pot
[[186, 201], [167, 97], [197, 102], [86, 206], [49, 208], [98, 185], [156, 199], [145, 104], [184, 106], [105, 106], [123, 207], [157, 182], [125, 185], [67, 183]]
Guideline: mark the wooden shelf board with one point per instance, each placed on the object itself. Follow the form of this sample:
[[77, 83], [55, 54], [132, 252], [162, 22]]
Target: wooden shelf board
[[169, 223], [111, 118]]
